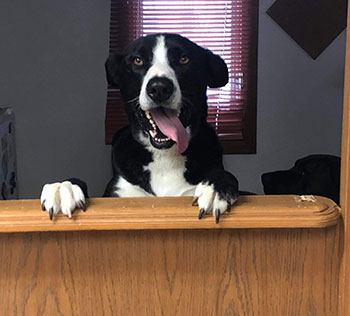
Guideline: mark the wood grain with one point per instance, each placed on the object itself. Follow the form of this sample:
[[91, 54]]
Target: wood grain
[[246, 272], [344, 292], [171, 213]]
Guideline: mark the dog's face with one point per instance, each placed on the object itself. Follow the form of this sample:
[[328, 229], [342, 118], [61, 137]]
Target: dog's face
[[163, 80], [314, 174]]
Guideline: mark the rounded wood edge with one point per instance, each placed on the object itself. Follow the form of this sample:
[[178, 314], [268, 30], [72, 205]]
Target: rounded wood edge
[[285, 211]]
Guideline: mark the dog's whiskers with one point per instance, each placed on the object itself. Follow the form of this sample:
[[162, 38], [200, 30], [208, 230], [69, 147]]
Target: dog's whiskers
[[134, 100]]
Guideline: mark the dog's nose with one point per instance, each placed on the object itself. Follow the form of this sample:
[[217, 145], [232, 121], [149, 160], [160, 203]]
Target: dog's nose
[[159, 89]]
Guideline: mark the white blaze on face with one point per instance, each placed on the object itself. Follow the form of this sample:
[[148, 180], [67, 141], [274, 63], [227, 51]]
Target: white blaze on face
[[160, 68]]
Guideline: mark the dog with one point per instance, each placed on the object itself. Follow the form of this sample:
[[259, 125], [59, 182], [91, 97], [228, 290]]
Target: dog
[[311, 175], [168, 148]]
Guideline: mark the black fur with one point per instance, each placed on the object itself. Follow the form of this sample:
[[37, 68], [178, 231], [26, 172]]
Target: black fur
[[176, 73], [204, 153], [81, 184], [128, 158], [314, 174]]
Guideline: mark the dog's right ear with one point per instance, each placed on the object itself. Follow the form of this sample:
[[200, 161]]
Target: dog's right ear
[[217, 70], [113, 67]]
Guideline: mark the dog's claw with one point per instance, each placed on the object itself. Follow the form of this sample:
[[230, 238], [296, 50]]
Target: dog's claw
[[217, 216], [81, 205], [195, 201], [201, 213], [43, 206], [51, 213], [229, 208]]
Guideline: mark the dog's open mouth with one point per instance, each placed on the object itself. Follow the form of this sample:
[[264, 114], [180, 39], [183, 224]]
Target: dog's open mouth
[[165, 128]]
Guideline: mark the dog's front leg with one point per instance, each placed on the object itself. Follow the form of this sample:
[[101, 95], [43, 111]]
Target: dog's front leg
[[63, 197], [216, 193]]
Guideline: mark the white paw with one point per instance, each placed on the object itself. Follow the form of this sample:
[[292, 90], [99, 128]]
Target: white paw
[[62, 197], [211, 201]]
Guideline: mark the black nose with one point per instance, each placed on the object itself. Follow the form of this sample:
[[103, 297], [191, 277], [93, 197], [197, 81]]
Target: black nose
[[160, 89]]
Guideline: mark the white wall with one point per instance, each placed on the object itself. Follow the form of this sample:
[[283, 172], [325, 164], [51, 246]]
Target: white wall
[[51, 72]]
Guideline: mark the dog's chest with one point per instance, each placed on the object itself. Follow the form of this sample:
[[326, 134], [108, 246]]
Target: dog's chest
[[167, 174]]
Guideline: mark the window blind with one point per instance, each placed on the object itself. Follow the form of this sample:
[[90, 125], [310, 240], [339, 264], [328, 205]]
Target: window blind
[[228, 28]]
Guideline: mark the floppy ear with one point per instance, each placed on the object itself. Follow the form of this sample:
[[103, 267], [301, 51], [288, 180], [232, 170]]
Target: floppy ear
[[218, 72], [113, 66]]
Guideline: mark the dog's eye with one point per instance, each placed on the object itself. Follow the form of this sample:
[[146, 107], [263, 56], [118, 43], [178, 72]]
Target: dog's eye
[[138, 61], [184, 60]]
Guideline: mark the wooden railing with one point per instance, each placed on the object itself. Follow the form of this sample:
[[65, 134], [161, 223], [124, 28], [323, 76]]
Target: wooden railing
[[272, 255], [287, 211]]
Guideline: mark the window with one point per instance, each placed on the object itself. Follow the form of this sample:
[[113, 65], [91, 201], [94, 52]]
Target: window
[[228, 28]]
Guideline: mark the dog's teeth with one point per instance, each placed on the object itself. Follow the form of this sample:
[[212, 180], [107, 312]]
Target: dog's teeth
[[151, 121], [148, 115], [153, 133]]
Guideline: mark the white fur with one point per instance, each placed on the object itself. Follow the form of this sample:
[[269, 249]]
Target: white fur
[[160, 68], [167, 173], [61, 197], [126, 189], [168, 166], [167, 170], [209, 200]]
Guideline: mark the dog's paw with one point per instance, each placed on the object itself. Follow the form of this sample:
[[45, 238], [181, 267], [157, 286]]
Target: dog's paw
[[213, 200], [62, 197]]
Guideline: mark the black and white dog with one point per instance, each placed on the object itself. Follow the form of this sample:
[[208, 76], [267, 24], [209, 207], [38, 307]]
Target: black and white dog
[[168, 149]]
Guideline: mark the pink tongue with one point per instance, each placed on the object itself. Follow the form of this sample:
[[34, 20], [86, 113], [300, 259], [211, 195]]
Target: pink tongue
[[170, 125]]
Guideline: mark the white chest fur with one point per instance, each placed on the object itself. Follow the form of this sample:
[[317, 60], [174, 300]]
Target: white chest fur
[[167, 173]]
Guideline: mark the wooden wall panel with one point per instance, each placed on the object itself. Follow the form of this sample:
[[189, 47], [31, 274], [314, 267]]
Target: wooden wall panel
[[344, 285], [275, 272]]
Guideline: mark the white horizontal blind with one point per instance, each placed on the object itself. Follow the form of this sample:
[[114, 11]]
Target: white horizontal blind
[[218, 26]]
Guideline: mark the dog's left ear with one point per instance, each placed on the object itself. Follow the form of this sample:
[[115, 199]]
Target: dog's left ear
[[112, 67], [217, 70]]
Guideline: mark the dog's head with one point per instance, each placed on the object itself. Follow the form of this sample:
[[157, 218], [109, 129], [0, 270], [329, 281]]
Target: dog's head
[[314, 174], [163, 80]]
